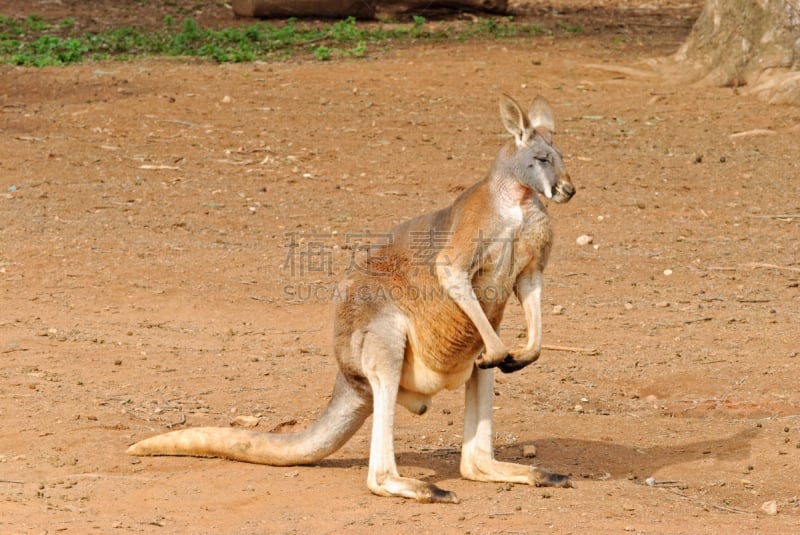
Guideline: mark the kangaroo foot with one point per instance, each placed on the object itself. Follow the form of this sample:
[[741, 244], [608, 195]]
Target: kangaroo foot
[[412, 488]]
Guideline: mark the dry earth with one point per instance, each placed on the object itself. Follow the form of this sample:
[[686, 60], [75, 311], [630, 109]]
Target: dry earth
[[147, 210]]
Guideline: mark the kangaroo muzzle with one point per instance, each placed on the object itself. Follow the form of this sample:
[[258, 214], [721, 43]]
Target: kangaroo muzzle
[[563, 191]]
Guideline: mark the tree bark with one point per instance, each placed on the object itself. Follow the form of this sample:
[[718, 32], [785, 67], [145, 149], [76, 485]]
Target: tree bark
[[363, 9], [753, 43]]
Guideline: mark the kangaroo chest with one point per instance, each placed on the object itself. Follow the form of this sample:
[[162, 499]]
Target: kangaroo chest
[[503, 253]]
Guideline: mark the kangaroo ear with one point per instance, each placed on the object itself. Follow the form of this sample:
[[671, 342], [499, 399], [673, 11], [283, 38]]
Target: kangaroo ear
[[515, 121], [541, 117]]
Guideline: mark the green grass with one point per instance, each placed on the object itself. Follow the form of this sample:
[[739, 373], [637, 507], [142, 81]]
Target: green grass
[[33, 42]]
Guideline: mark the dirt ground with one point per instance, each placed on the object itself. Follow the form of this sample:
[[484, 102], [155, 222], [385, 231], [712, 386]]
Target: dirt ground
[[149, 280]]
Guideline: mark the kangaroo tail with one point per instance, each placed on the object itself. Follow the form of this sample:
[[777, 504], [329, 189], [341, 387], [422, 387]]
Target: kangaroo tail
[[346, 412]]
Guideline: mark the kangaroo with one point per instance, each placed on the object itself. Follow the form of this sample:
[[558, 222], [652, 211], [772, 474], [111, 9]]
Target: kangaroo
[[421, 314]]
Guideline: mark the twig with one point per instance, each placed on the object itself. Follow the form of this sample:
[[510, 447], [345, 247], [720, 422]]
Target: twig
[[160, 167], [571, 349], [776, 216], [12, 482], [771, 266], [730, 509], [710, 505], [698, 320], [94, 475], [755, 132], [754, 265], [178, 121], [183, 421]]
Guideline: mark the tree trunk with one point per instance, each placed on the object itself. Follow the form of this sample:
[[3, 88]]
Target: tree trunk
[[363, 9], [754, 43]]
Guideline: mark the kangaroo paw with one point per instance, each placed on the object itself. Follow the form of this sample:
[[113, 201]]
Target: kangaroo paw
[[485, 362], [517, 361]]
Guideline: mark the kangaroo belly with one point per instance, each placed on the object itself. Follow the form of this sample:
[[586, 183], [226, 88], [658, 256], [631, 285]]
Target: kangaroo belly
[[442, 345]]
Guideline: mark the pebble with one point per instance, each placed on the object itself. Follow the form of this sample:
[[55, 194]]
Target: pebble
[[662, 304], [245, 421], [529, 450], [558, 310], [667, 272], [584, 239], [770, 507]]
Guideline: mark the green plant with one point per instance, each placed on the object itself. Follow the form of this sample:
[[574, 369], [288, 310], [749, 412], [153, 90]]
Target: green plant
[[35, 23], [9, 26], [573, 29], [322, 53], [32, 41], [67, 23]]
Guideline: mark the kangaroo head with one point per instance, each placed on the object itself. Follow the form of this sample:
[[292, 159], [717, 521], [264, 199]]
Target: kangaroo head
[[532, 159]]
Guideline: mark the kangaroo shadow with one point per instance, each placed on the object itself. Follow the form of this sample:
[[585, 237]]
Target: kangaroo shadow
[[581, 459], [607, 460]]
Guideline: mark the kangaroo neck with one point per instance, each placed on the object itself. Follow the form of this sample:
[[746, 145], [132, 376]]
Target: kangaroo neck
[[507, 191]]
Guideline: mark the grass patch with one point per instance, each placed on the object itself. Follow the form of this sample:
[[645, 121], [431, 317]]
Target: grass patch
[[33, 42]]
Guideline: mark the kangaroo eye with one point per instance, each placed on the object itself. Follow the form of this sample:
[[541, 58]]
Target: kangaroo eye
[[543, 159]]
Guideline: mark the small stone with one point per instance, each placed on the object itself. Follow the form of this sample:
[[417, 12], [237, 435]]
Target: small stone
[[584, 239], [529, 451], [662, 304], [245, 421], [558, 310], [628, 306], [651, 481], [226, 99], [578, 408], [667, 272], [770, 507]]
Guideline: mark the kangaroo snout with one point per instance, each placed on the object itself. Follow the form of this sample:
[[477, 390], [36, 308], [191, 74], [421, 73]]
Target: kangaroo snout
[[563, 192]]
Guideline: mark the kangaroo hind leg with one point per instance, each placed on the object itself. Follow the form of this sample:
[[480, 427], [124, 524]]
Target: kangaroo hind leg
[[382, 352], [477, 454]]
